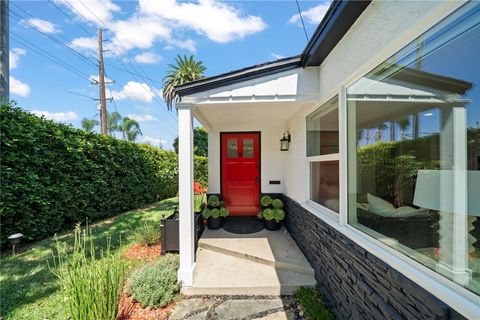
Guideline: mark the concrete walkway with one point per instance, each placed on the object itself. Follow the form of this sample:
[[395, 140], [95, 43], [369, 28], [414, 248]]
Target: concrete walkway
[[262, 263]]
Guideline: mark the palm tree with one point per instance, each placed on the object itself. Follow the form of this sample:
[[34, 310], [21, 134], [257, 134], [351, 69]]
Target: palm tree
[[89, 124], [130, 129], [183, 71], [403, 124], [379, 134], [113, 120]]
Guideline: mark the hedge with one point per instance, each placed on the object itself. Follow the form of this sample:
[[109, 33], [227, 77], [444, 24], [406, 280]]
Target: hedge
[[53, 175]]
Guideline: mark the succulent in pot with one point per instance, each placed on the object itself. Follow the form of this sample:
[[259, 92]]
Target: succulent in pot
[[272, 213], [214, 212]]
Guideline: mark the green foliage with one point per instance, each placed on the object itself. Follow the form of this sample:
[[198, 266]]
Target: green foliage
[[156, 284], [89, 124], [201, 169], [266, 201], [54, 176], [277, 203], [215, 213], [213, 201], [200, 142], [130, 129], [185, 69], [206, 213], [312, 304], [223, 212], [148, 234], [92, 282], [272, 214]]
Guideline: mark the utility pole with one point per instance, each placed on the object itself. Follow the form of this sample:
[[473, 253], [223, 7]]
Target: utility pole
[[101, 82], [4, 47]]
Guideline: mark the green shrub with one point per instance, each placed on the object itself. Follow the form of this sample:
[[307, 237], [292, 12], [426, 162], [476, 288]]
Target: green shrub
[[277, 203], [54, 176], [272, 214], [213, 201], [91, 282], [148, 234], [156, 284], [266, 201], [312, 304]]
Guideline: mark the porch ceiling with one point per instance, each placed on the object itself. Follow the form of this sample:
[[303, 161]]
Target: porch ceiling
[[252, 113]]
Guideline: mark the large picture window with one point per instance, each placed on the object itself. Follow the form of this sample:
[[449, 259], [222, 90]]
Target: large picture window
[[414, 149], [322, 153]]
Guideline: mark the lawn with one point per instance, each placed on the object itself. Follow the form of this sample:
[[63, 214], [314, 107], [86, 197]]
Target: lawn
[[28, 288]]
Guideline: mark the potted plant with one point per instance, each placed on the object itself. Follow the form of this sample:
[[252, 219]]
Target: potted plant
[[214, 212], [272, 213]]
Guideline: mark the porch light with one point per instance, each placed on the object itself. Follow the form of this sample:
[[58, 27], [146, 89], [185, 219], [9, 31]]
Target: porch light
[[285, 141]]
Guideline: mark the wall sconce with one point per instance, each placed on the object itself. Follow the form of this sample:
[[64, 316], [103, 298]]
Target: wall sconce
[[285, 141]]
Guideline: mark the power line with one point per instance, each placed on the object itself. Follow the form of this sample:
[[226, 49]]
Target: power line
[[301, 18], [68, 16], [47, 55], [21, 18]]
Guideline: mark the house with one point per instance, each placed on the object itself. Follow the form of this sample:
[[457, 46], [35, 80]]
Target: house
[[382, 171]]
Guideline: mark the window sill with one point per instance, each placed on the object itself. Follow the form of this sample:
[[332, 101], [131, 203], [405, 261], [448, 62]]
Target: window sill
[[321, 211]]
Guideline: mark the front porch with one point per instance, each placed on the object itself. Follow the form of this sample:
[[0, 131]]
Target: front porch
[[262, 263]]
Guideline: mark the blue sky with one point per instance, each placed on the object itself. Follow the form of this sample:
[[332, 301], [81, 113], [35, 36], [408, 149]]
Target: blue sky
[[143, 37]]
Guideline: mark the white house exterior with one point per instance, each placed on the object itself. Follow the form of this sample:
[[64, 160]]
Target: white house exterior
[[398, 247]]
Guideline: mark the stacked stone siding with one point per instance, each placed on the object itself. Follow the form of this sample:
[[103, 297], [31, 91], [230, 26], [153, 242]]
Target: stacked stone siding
[[355, 283]]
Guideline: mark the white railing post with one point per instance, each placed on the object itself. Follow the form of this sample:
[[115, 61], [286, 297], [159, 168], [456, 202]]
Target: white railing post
[[185, 185]]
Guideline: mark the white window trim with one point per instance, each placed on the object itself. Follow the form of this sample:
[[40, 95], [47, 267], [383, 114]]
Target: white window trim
[[324, 157], [461, 299]]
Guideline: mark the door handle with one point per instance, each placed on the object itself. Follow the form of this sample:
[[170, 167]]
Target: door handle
[[257, 179]]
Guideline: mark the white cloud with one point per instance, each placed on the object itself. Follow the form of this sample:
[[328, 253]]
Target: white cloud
[[92, 10], [219, 21], [138, 32], [57, 116], [188, 44], [84, 44], [147, 57], [277, 56], [18, 87], [135, 91], [314, 15], [41, 25], [14, 57], [153, 141], [141, 118]]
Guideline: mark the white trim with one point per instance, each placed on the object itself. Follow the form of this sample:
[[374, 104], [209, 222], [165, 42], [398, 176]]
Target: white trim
[[342, 148], [321, 212], [324, 157], [185, 191], [331, 94]]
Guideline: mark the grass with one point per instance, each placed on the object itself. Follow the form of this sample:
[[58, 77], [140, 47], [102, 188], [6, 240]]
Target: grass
[[29, 290], [312, 304]]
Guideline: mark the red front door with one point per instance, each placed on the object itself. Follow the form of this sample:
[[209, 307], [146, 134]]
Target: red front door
[[241, 173]]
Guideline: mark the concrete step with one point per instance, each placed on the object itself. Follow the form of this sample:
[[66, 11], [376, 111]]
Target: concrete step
[[275, 249], [224, 274]]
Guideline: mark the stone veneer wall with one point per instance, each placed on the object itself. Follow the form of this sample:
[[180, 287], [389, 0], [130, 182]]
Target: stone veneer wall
[[355, 283]]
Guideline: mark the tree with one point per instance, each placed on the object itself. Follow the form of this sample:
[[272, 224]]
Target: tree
[[130, 129], [183, 71], [403, 124], [200, 142], [113, 120], [89, 124]]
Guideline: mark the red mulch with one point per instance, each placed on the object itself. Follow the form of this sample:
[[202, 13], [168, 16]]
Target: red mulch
[[143, 252], [131, 310]]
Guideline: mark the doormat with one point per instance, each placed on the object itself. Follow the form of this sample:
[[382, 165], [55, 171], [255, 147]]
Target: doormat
[[242, 226]]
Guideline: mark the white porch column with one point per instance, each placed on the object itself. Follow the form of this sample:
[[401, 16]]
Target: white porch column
[[185, 185]]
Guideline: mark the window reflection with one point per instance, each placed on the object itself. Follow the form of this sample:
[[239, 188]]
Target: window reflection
[[414, 149]]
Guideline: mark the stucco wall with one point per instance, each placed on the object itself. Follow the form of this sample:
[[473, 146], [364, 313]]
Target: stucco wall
[[381, 25], [271, 157]]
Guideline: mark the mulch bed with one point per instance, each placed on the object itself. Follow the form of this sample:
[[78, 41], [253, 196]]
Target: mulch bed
[[143, 252], [132, 310]]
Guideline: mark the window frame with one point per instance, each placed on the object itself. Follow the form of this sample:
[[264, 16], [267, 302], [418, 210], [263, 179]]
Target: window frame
[[456, 296], [315, 206]]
